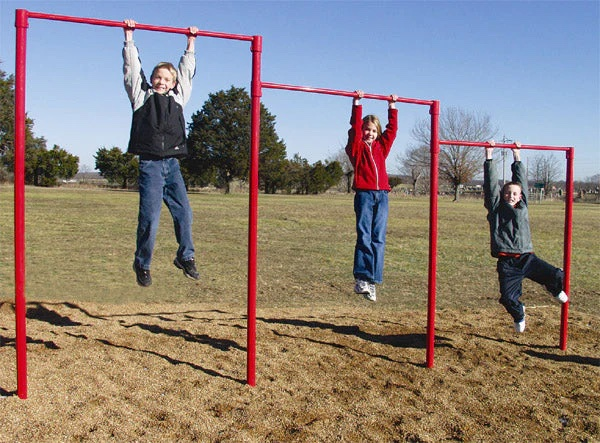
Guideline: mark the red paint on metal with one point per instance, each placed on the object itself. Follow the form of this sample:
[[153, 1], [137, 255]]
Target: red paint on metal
[[568, 229], [433, 217], [343, 93], [21, 24], [253, 209]]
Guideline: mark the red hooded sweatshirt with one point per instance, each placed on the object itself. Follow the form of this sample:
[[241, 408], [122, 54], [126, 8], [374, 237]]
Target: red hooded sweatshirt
[[369, 162]]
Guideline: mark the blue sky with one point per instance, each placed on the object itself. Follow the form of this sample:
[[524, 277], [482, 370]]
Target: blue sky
[[532, 66]]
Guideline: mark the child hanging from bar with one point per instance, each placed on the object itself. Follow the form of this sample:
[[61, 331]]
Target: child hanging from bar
[[368, 147], [511, 238], [158, 137]]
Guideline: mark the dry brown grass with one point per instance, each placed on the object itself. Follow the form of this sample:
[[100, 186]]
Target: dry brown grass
[[109, 361], [165, 372]]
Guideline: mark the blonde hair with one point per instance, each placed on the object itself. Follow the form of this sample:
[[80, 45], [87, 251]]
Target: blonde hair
[[165, 65], [372, 119]]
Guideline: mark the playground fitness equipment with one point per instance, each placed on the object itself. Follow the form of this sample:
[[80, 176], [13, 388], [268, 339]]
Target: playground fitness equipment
[[22, 17]]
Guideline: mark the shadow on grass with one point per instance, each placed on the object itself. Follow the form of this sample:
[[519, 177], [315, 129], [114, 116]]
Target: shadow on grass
[[512, 342], [173, 361], [38, 311], [5, 393], [591, 361], [415, 341], [217, 343], [5, 341]]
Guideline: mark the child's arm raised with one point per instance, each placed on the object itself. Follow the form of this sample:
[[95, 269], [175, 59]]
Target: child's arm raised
[[357, 97], [392, 101], [517, 152], [191, 38], [128, 30], [187, 67], [489, 152]]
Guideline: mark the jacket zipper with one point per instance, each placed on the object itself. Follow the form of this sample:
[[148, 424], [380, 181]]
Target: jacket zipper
[[374, 164]]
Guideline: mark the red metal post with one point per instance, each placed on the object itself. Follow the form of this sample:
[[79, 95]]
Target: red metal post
[[434, 110], [567, 247], [253, 208], [21, 24]]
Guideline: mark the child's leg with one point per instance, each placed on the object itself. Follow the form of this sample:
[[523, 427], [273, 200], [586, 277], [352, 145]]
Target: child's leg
[[176, 199], [151, 190], [363, 251], [510, 277], [551, 277], [380, 218]]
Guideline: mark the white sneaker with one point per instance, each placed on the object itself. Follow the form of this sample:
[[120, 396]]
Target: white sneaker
[[562, 297], [520, 326], [372, 294], [361, 287]]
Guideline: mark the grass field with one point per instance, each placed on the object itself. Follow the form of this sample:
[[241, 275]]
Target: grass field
[[80, 244], [110, 361]]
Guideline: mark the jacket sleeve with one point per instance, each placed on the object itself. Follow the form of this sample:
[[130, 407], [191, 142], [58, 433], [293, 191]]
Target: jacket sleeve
[[354, 133], [519, 175], [133, 75], [187, 70], [491, 188], [391, 129]]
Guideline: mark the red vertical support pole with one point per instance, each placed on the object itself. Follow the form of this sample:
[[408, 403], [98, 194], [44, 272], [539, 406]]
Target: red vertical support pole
[[434, 110], [567, 247], [253, 209], [21, 24]]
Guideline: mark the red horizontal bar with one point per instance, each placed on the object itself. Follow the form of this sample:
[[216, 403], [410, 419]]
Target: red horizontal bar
[[120, 24], [504, 145], [344, 93]]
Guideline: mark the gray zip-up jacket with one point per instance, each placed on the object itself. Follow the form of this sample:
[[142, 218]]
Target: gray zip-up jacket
[[158, 124], [509, 227]]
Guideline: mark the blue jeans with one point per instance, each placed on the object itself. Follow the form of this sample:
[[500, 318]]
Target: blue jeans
[[512, 271], [371, 208], [161, 180]]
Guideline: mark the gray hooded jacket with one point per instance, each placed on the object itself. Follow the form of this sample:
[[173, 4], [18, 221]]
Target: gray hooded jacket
[[509, 227]]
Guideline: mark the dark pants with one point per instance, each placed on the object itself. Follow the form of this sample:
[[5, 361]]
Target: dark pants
[[512, 271]]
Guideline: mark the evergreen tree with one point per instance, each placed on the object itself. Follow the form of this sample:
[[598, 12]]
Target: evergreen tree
[[219, 143], [117, 166]]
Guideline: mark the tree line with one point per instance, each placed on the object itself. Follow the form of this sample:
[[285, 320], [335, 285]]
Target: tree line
[[218, 144], [43, 166], [219, 152]]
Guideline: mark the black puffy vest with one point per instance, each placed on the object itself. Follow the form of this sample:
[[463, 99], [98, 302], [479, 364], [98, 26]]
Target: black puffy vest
[[158, 129]]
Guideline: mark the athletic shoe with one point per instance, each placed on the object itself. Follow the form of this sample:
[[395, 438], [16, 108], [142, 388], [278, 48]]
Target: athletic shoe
[[188, 267], [361, 287], [562, 297], [520, 326], [372, 294], [142, 275]]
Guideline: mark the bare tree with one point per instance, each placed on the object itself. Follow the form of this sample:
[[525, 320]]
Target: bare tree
[[342, 158], [546, 170], [457, 164], [415, 163]]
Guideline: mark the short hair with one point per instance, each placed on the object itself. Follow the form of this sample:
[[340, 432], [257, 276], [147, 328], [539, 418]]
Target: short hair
[[165, 65], [372, 119], [506, 185]]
